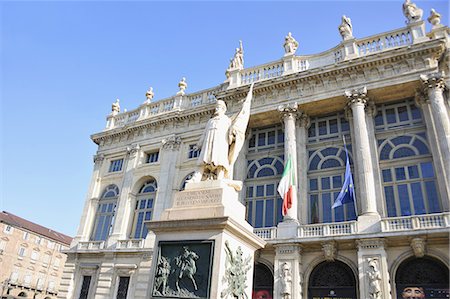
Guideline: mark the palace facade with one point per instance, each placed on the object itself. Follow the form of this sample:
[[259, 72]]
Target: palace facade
[[386, 94]]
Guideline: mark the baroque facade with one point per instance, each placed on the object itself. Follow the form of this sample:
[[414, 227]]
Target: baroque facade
[[31, 258], [386, 95]]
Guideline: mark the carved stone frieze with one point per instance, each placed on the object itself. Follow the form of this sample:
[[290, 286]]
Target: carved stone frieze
[[329, 250], [171, 143], [418, 246], [356, 96], [286, 249], [370, 243]]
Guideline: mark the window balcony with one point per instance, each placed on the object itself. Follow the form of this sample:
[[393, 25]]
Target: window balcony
[[130, 244], [416, 222], [91, 245]]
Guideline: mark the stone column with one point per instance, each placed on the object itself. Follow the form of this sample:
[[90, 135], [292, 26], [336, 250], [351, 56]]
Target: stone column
[[289, 227], [438, 161], [369, 220], [170, 150], [373, 269], [434, 88], [287, 272], [120, 226], [303, 124], [91, 202]]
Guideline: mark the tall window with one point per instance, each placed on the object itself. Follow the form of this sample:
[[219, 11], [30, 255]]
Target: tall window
[[116, 165], [152, 157], [409, 179], [328, 127], [104, 218], [325, 176], [193, 151], [266, 139], [262, 200], [85, 287], [144, 208], [122, 290]]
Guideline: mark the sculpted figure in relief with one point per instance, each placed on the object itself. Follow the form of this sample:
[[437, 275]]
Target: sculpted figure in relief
[[290, 44], [412, 12], [374, 279], [286, 281], [221, 141], [346, 28]]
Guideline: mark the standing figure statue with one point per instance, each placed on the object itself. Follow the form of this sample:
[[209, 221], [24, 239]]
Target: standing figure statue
[[286, 281], [186, 267], [346, 28], [221, 141], [290, 44], [374, 279], [412, 12], [237, 61]]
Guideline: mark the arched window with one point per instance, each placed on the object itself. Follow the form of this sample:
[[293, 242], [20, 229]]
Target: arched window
[[104, 218], [325, 176], [262, 282], [188, 177], [144, 208], [409, 180], [262, 200], [332, 279]]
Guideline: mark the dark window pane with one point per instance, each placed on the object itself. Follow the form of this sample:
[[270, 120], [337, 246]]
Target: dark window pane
[[415, 112], [249, 211], [251, 171], [271, 137], [333, 126], [266, 171], [251, 142], [313, 184], [260, 190], [387, 177], [259, 213], [314, 209], [344, 125], [385, 151], [280, 137], [337, 181], [323, 128], [421, 147], [419, 206], [123, 287], [261, 139], [390, 116], [325, 183], [351, 213], [279, 167], [150, 203], [269, 213], [400, 174], [401, 140], [403, 152], [85, 287], [339, 211], [265, 161], [330, 151], [330, 163], [379, 119], [390, 201], [270, 190], [326, 207], [142, 205], [148, 215], [403, 196], [279, 205], [413, 172], [427, 170], [433, 200], [403, 113], [250, 192], [312, 130], [314, 163]]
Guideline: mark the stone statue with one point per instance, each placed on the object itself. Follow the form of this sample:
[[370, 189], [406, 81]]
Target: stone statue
[[149, 95], [435, 18], [290, 44], [374, 279], [186, 267], [237, 62], [182, 85], [115, 107], [412, 12], [221, 141], [346, 28], [235, 273], [162, 277], [286, 281]]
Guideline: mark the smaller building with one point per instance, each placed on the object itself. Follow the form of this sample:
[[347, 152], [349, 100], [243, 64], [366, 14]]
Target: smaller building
[[31, 258]]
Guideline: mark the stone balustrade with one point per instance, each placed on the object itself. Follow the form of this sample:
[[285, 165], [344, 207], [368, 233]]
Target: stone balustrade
[[380, 42], [327, 229], [130, 244], [91, 245], [429, 221], [266, 233]]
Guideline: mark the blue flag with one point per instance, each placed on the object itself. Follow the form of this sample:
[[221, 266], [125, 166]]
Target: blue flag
[[347, 193]]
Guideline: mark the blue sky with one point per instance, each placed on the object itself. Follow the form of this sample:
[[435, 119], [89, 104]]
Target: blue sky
[[64, 63]]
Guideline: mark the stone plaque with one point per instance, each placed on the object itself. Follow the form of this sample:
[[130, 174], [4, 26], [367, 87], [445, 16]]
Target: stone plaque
[[198, 198], [183, 269]]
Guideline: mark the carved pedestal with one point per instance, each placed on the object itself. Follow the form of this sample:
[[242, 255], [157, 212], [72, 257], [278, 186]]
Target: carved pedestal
[[204, 248]]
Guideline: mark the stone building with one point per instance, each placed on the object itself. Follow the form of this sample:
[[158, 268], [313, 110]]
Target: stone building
[[385, 94], [31, 258]]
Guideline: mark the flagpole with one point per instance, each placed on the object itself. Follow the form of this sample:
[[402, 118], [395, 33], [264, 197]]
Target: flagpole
[[354, 202]]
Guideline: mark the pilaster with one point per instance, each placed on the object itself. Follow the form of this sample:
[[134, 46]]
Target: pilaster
[[288, 228], [170, 150], [373, 269], [303, 123], [369, 221], [124, 203], [417, 30], [288, 282]]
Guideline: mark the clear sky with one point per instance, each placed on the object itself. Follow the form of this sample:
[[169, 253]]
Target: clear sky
[[64, 63]]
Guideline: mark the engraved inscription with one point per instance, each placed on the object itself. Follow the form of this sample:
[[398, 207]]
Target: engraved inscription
[[198, 197]]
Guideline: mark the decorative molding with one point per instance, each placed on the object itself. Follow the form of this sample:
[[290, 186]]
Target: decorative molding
[[98, 158], [420, 98], [370, 244], [303, 120], [418, 246], [283, 249], [371, 108], [329, 251], [171, 143], [133, 150], [357, 96], [433, 80], [288, 110]]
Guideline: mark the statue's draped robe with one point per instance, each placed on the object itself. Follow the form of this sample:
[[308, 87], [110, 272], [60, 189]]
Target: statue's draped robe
[[215, 142]]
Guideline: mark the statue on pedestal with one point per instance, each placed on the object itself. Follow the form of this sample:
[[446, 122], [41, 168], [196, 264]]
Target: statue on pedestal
[[346, 28], [290, 44], [412, 12], [237, 61], [221, 141]]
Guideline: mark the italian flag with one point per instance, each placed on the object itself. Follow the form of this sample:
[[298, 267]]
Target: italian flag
[[286, 188]]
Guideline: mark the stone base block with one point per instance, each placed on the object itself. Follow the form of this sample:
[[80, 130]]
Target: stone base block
[[288, 229], [369, 223]]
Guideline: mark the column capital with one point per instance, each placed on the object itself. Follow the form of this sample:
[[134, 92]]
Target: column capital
[[133, 150], [303, 119], [98, 158], [433, 80], [172, 142], [288, 110], [356, 96]]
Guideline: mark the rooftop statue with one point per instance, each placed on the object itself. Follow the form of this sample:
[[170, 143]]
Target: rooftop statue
[[149, 95], [290, 44], [412, 12], [182, 85], [237, 62], [115, 107], [346, 28], [435, 18], [221, 141]]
